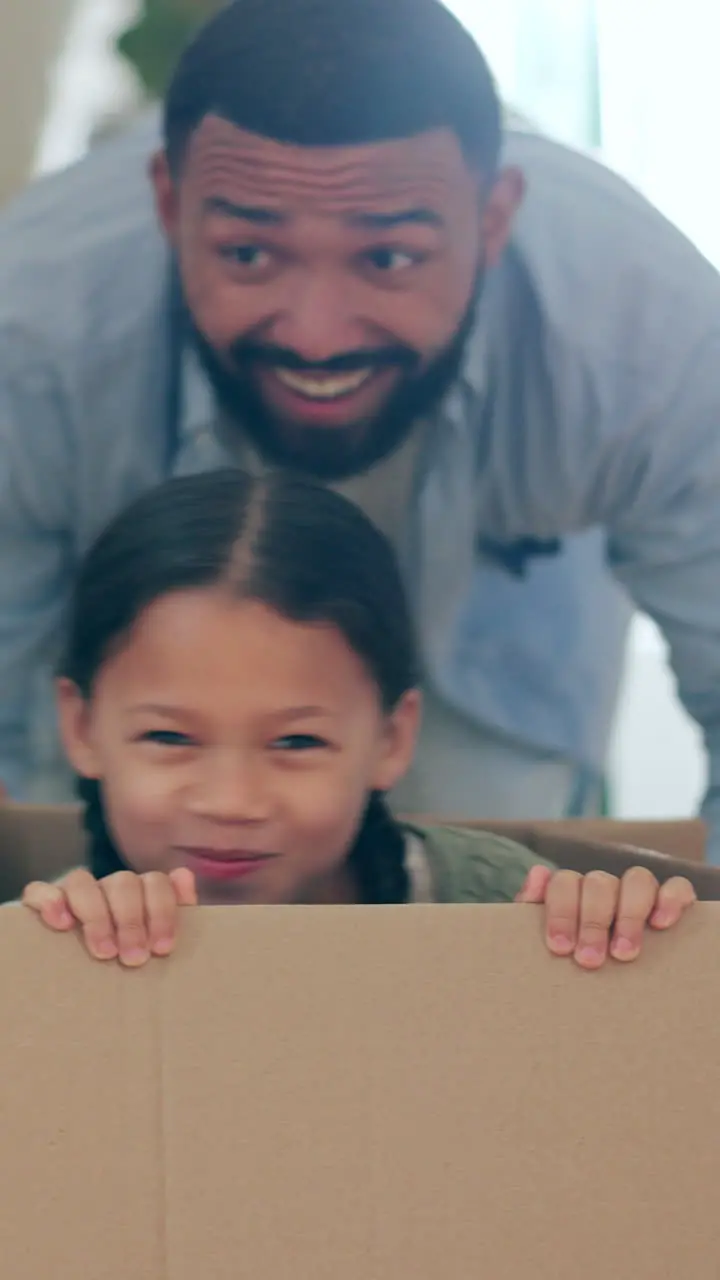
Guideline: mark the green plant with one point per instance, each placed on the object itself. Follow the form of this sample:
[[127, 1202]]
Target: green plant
[[153, 44]]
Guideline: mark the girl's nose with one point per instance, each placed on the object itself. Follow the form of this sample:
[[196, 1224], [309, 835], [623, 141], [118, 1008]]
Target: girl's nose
[[232, 788]]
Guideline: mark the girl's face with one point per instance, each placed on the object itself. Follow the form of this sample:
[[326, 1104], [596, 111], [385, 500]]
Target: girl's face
[[237, 743]]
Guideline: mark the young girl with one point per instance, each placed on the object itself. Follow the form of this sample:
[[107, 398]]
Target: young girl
[[238, 694]]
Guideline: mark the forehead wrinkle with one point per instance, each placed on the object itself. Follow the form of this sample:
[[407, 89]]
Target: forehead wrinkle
[[216, 135], [335, 162], [419, 181], [347, 187]]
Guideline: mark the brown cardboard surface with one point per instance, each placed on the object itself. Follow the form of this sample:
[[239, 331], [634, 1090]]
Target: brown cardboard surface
[[683, 838], [39, 843], [359, 1094]]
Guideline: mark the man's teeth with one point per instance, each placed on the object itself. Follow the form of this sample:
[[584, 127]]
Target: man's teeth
[[329, 388]]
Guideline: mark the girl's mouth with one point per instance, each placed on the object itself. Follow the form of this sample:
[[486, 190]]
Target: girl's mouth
[[209, 864]]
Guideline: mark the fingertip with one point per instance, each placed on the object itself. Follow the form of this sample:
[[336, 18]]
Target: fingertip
[[185, 887], [590, 958], [665, 917], [560, 944], [524, 894], [56, 915], [624, 950], [104, 950], [63, 920], [163, 946], [535, 887]]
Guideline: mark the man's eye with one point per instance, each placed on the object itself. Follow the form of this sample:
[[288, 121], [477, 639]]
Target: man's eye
[[246, 255], [166, 738], [392, 260], [299, 742]]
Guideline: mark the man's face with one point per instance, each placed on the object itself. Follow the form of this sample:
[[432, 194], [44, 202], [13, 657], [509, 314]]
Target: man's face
[[330, 291]]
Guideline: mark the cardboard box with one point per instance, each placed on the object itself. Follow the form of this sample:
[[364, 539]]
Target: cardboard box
[[39, 843], [409, 1093]]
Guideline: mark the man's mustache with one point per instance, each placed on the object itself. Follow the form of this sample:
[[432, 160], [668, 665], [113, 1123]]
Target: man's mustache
[[244, 354]]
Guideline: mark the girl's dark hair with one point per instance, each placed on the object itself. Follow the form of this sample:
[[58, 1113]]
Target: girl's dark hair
[[285, 541], [336, 73]]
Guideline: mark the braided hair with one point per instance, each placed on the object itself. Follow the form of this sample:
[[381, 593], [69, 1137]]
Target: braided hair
[[287, 542]]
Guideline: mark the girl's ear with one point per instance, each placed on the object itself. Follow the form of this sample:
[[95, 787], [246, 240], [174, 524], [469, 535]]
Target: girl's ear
[[400, 736], [74, 716]]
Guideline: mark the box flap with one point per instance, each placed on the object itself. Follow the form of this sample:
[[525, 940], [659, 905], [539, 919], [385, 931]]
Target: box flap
[[359, 1094]]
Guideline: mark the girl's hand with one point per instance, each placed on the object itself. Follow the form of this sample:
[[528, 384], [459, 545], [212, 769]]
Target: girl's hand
[[590, 917], [125, 917]]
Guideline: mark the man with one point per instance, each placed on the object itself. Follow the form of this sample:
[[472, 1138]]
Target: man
[[344, 277]]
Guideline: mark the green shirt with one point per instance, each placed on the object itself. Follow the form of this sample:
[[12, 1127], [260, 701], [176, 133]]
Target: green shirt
[[466, 865]]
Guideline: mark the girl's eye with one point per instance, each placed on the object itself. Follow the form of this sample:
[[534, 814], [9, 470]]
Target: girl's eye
[[246, 255], [391, 261], [299, 742], [166, 738]]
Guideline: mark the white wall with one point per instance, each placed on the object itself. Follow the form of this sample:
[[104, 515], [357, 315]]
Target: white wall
[[657, 761], [660, 95], [31, 37], [89, 82]]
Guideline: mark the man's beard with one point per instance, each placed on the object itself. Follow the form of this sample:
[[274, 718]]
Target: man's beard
[[332, 453]]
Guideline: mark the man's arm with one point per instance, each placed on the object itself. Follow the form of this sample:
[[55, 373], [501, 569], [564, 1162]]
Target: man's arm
[[662, 509], [36, 472]]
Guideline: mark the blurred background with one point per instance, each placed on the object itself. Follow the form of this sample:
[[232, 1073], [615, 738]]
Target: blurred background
[[634, 81]]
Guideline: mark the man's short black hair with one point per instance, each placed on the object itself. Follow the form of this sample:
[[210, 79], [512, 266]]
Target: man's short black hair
[[336, 73]]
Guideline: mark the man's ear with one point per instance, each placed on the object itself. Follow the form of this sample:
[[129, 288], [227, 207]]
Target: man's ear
[[499, 210], [400, 736], [74, 716], [166, 194]]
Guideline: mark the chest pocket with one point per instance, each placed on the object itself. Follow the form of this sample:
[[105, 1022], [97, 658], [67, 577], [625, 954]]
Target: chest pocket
[[514, 557]]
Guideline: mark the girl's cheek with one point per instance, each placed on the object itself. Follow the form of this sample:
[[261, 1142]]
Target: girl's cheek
[[330, 818], [142, 808]]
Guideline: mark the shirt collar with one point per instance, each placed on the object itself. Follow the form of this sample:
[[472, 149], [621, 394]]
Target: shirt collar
[[198, 405], [474, 369]]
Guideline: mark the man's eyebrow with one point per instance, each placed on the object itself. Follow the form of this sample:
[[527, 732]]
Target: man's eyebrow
[[257, 214], [386, 221]]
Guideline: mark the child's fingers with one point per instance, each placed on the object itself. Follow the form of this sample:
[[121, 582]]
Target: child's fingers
[[161, 912], [598, 905], [125, 894], [637, 898], [673, 899], [183, 882], [562, 912], [50, 903], [86, 900], [535, 886]]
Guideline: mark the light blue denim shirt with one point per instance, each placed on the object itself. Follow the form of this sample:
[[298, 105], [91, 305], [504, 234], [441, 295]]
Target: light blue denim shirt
[[587, 421]]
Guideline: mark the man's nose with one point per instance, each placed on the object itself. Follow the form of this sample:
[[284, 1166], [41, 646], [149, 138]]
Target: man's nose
[[231, 787], [318, 322]]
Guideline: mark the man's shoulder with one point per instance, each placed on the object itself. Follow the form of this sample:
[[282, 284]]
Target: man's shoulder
[[83, 247], [605, 264], [577, 187]]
